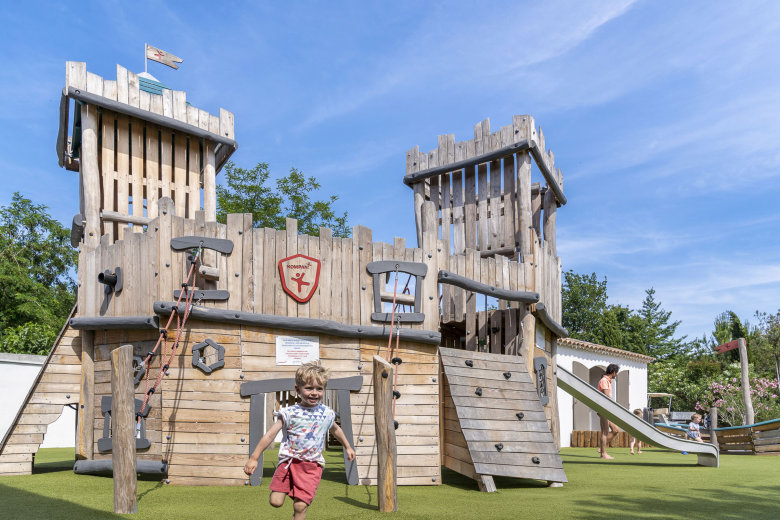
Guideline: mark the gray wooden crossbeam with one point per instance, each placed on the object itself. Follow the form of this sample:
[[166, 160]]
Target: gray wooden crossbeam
[[106, 467], [521, 146], [111, 322], [555, 327], [377, 269], [326, 327], [449, 278], [145, 115], [256, 391]]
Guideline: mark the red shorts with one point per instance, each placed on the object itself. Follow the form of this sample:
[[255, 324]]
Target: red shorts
[[298, 479]]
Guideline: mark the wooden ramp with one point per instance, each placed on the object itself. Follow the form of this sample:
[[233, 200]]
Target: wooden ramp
[[494, 424], [56, 386]]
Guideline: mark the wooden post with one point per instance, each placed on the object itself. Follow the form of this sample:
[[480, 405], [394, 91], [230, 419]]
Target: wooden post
[[123, 430], [743, 364], [387, 496], [86, 413], [90, 175], [713, 425]]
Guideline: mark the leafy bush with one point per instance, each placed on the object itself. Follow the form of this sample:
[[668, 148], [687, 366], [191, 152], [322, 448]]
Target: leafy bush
[[28, 338], [673, 376], [726, 394]]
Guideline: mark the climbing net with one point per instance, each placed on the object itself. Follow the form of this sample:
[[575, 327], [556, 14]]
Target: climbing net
[[167, 355]]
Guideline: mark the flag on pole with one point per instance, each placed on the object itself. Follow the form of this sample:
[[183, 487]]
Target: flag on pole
[[160, 56]]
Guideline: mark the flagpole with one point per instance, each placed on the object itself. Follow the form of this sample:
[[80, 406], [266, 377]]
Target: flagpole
[[146, 62]]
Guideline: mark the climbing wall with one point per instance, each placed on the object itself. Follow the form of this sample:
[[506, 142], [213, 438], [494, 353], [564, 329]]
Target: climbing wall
[[494, 423], [56, 386]]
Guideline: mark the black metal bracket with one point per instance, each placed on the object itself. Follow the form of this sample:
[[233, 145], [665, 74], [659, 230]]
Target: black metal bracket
[[114, 282], [77, 230]]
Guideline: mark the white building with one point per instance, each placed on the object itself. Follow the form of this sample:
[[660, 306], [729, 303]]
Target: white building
[[588, 361], [17, 375]]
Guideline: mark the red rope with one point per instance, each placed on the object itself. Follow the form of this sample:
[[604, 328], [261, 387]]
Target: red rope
[[163, 339]]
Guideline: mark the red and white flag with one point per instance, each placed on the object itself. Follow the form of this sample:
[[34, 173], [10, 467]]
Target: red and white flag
[[160, 56]]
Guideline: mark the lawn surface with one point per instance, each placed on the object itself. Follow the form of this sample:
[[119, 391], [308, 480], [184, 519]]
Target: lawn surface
[[656, 484]]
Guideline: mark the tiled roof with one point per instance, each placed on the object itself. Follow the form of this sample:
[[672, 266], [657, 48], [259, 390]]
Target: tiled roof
[[603, 349]]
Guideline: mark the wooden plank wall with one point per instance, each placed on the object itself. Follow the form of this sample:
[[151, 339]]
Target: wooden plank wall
[[153, 272], [417, 411], [143, 342], [57, 387], [139, 161]]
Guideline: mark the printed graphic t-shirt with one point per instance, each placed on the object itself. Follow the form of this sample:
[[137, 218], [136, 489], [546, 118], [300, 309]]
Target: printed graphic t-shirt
[[305, 430]]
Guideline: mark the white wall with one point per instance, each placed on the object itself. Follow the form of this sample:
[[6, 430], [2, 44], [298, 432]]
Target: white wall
[[17, 374], [637, 383]]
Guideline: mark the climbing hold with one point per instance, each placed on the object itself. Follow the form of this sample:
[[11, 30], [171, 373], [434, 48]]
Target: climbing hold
[[396, 394], [469, 363], [520, 416], [396, 361], [395, 424], [535, 460], [507, 375], [499, 446], [384, 374], [478, 391]]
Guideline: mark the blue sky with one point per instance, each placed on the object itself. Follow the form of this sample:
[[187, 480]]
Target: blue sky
[[663, 116]]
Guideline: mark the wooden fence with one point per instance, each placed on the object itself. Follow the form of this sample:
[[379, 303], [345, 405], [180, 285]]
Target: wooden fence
[[152, 271]]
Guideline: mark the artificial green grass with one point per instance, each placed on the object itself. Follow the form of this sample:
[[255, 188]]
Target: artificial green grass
[[656, 484]]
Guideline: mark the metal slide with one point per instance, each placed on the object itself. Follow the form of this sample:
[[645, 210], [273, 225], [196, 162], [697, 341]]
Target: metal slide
[[707, 453]]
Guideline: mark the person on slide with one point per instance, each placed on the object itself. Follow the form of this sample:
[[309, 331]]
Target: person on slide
[[608, 428]]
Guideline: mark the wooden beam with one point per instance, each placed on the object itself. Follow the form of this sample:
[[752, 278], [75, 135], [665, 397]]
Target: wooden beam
[[387, 470], [123, 430], [85, 431]]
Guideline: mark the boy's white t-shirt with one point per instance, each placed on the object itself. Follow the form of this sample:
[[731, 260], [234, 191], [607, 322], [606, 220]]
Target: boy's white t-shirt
[[304, 433]]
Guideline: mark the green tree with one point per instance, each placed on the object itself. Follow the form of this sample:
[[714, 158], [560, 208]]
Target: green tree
[[767, 347], [584, 299], [248, 191], [36, 283], [621, 328], [656, 336]]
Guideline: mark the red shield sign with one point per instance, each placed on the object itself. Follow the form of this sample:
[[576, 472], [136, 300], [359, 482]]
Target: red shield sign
[[300, 275]]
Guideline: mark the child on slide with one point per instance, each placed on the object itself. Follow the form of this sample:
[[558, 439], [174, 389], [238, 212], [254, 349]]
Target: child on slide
[[634, 441], [304, 427], [693, 428]]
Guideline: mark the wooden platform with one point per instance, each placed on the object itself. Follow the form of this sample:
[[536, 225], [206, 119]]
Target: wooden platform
[[475, 426]]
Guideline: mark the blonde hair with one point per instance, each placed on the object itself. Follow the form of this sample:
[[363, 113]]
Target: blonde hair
[[311, 372], [638, 412], [695, 416]]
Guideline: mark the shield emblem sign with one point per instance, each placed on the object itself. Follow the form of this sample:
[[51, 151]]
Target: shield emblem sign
[[300, 275]]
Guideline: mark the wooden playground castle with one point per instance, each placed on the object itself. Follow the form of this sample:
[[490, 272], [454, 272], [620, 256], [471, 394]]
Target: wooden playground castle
[[478, 321]]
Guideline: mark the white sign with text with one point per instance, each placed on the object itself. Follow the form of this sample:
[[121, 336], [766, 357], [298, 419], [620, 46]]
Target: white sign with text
[[297, 350]]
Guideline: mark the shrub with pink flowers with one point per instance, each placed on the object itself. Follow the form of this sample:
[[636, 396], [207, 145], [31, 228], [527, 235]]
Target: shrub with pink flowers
[[727, 396]]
